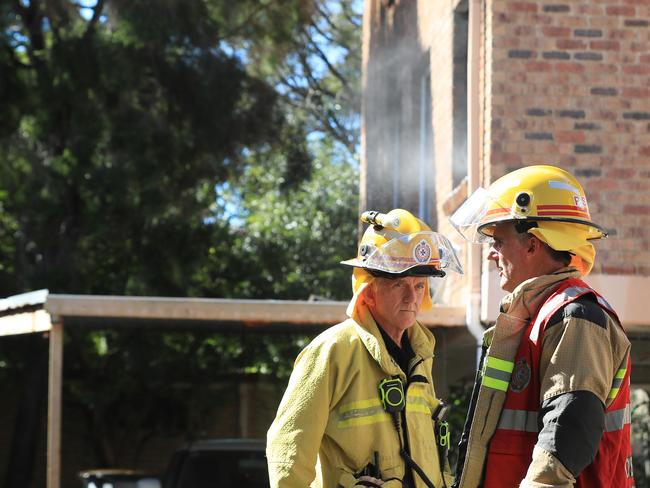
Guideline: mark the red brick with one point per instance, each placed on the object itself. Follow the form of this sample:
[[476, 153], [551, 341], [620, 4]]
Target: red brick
[[554, 31], [621, 173], [538, 66], [637, 69], [644, 151], [605, 45], [636, 92], [625, 10], [569, 67], [508, 158], [570, 136], [542, 19], [637, 2], [637, 209], [524, 30], [602, 184], [571, 44], [645, 58], [590, 10], [522, 7], [603, 68], [618, 270], [625, 34], [639, 47]]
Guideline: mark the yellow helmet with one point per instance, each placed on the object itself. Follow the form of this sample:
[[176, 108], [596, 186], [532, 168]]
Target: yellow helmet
[[399, 244], [535, 193], [545, 201]]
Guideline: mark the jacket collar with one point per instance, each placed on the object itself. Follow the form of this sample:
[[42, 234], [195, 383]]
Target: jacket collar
[[530, 295], [422, 340]]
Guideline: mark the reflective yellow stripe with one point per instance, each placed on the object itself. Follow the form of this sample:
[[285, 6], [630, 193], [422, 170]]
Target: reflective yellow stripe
[[500, 364], [496, 374], [418, 399], [373, 402], [495, 384], [367, 420], [618, 379], [418, 407], [421, 393]]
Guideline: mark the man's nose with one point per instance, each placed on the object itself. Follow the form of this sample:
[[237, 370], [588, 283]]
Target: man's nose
[[409, 293], [492, 255]]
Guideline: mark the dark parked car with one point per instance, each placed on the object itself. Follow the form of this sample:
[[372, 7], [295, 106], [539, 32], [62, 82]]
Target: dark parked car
[[118, 478], [226, 463]]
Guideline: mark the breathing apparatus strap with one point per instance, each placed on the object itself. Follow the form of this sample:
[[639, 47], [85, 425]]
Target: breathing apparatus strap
[[390, 392]]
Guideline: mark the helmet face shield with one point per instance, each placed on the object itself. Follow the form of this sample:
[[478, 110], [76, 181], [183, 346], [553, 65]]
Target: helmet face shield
[[399, 244], [422, 250], [474, 213], [533, 193]]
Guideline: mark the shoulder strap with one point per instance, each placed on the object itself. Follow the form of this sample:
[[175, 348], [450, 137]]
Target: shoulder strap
[[568, 291]]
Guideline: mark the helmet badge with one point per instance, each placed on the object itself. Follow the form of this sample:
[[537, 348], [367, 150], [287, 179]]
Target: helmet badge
[[422, 252]]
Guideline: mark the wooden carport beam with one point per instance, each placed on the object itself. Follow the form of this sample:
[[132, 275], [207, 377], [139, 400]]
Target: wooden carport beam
[[251, 312], [54, 405]]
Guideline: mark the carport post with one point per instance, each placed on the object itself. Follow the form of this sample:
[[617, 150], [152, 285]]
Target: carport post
[[54, 404]]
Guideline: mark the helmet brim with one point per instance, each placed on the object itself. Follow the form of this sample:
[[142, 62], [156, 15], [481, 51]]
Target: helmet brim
[[419, 271], [595, 231]]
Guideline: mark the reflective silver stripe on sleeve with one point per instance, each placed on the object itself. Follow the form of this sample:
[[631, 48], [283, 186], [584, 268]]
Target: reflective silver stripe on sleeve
[[617, 419], [521, 420]]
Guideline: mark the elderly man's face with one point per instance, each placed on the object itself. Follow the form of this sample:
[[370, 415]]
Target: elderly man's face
[[394, 303]]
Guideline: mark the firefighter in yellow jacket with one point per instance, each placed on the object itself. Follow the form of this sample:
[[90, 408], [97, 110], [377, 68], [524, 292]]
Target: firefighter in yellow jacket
[[551, 404], [360, 408]]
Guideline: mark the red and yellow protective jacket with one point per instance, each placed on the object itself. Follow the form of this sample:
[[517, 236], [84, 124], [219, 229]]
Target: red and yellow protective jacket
[[551, 403], [511, 448]]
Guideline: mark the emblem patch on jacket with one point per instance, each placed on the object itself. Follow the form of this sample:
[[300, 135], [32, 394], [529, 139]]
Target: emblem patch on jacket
[[520, 376]]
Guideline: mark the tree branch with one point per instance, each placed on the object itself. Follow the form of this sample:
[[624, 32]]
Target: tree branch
[[326, 60], [92, 23]]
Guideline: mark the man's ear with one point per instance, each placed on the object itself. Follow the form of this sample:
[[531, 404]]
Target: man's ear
[[535, 246], [368, 295]]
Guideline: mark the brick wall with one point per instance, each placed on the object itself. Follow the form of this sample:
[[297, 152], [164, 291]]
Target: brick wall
[[568, 83]]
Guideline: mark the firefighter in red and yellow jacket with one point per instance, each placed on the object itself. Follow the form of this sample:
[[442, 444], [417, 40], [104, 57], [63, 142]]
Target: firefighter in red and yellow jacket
[[551, 404]]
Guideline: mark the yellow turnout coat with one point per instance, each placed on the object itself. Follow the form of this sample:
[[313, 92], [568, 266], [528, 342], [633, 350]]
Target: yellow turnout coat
[[331, 421]]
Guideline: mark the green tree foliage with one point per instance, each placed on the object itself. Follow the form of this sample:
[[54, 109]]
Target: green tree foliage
[[178, 148], [291, 240]]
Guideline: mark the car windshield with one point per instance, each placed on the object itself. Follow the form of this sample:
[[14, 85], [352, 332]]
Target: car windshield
[[209, 469]]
